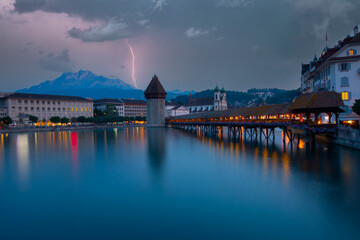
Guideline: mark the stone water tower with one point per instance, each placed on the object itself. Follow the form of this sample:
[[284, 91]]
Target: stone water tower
[[155, 95]]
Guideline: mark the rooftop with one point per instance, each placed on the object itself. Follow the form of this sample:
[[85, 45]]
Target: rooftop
[[45, 97], [200, 101], [155, 89], [317, 100]]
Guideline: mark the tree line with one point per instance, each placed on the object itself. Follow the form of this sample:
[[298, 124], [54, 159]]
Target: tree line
[[109, 115]]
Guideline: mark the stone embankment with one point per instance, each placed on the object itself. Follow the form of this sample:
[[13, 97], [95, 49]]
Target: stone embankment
[[65, 128]]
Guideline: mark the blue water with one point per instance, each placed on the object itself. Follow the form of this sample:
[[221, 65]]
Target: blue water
[[169, 184]]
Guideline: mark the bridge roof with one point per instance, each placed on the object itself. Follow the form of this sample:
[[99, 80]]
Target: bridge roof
[[317, 101], [244, 111]]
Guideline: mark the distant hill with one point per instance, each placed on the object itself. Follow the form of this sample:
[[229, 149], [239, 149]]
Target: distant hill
[[249, 98], [89, 85]]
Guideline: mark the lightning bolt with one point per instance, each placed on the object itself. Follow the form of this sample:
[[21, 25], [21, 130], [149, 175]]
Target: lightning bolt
[[133, 62]]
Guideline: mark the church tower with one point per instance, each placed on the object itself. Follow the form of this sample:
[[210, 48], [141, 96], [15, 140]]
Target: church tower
[[223, 101], [155, 95], [217, 99]]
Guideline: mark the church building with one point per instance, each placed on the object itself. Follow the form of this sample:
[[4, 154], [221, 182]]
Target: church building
[[216, 103]]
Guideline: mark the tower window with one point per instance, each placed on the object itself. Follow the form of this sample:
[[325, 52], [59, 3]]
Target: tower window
[[345, 96]]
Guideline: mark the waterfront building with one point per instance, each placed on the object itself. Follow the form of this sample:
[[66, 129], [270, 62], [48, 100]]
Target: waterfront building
[[155, 95], [174, 109], [101, 104], [21, 105], [336, 69], [178, 111], [124, 107], [134, 107], [216, 103]]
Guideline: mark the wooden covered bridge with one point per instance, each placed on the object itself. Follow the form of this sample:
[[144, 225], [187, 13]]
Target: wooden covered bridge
[[308, 114]]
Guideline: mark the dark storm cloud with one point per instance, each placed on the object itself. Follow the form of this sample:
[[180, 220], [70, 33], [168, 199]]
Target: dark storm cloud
[[56, 63], [89, 9], [112, 30], [236, 43]]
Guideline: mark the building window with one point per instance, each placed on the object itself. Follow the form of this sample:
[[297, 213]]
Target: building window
[[25, 101], [37, 102], [37, 108], [32, 108], [344, 67], [19, 101], [19, 108], [345, 96], [351, 52], [26, 108], [344, 82], [48, 109]]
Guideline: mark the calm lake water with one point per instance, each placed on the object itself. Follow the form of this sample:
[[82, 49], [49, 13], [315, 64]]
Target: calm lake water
[[168, 184]]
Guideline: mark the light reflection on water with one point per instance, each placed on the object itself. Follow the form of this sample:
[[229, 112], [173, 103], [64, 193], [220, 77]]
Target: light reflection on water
[[113, 183]]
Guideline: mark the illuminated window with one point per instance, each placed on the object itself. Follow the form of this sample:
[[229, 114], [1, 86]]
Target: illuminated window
[[82, 109], [345, 96], [72, 109], [351, 52], [76, 109], [85, 109]]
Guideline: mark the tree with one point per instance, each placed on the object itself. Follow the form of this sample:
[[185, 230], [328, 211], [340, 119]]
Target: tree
[[111, 110], [33, 119], [356, 107], [55, 119], [64, 120], [6, 120], [98, 112], [81, 119], [73, 120]]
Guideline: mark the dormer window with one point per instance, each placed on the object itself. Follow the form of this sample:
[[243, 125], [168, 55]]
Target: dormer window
[[351, 52]]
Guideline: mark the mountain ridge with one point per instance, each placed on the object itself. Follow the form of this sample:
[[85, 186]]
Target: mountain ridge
[[86, 84]]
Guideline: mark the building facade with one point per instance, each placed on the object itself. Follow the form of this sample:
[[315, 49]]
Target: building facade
[[216, 103], [124, 107], [337, 69], [178, 111], [134, 108], [101, 104], [21, 105]]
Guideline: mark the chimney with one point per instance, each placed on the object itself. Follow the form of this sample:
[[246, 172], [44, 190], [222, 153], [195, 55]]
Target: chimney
[[356, 30]]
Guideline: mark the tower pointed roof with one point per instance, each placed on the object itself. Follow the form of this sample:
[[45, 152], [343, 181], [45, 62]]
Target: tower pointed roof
[[155, 89]]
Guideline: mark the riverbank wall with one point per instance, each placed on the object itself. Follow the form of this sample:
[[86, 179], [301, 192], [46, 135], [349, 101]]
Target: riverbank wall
[[345, 137], [65, 128]]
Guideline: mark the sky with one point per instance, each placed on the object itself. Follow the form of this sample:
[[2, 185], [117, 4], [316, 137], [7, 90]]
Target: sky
[[189, 44]]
